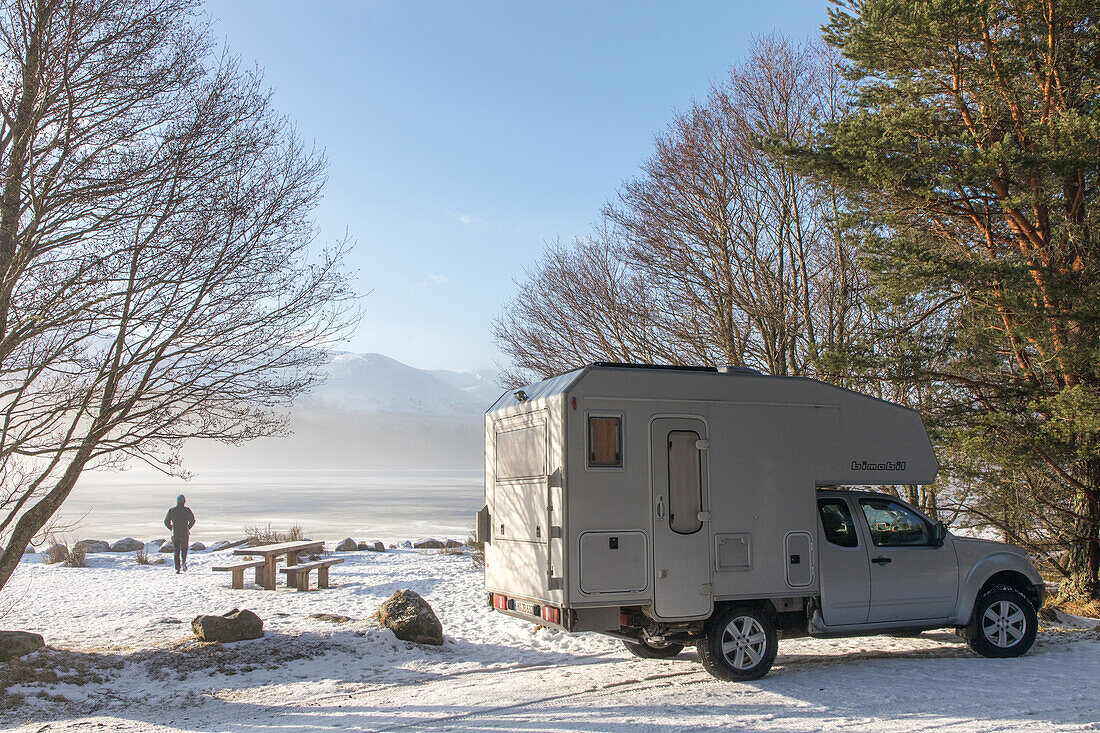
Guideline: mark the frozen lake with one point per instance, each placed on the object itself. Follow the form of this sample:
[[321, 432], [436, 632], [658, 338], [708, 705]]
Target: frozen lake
[[328, 505]]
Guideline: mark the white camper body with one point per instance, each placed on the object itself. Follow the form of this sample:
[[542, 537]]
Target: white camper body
[[636, 500]]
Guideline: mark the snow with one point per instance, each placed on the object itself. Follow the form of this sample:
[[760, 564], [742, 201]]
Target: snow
[[121, 658]]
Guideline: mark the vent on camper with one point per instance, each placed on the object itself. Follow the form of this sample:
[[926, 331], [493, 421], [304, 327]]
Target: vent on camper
[[744, 370]]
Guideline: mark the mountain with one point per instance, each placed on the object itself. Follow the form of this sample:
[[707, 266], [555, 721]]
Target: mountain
[[372, 412], [377, 383]]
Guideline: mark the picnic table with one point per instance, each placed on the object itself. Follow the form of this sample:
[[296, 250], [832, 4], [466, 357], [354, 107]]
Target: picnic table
[[271, 553]]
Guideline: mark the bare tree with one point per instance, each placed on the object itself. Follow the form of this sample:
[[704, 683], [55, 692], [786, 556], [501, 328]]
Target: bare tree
[[719, 253], [158, 282]]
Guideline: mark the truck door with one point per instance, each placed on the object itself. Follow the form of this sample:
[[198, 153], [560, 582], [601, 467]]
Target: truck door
[[911, 578], [681, 533]]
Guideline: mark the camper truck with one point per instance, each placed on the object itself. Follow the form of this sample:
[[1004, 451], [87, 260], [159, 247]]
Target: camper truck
[[683, 506]]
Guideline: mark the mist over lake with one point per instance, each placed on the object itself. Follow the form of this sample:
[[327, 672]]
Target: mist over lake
[[329, 505]]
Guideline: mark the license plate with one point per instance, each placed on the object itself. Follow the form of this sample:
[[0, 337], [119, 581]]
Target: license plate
[[526, 607]]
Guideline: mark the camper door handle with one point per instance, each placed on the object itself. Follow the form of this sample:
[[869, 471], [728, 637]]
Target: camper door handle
[[881, 560], [660, 507]]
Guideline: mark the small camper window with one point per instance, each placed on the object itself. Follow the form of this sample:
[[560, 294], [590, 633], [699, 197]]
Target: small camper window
[[521, 453], [605, 442], [685, 482]]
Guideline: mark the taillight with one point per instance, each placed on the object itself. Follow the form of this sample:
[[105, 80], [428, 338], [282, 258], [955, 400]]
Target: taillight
[[500, 602], [551, 614]]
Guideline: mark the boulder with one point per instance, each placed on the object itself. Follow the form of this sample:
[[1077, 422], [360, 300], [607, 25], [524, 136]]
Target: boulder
[[227, 544], [237, 625], [372, 546], [19, 643], [411, 618], [30, 550], [348, 545], [154, 545], [197, 547], [90, 546], [452, 544], [127, 544], [428, 544], [168, 547], [335, 618]]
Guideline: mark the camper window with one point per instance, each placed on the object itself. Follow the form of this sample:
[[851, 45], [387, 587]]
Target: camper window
[[685, 482], [605, 442], [892, 525], [837, 522]]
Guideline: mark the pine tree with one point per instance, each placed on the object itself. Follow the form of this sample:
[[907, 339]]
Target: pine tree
[[974, 149]]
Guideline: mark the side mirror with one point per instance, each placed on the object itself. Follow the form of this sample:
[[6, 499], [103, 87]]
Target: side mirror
[[939, 534]]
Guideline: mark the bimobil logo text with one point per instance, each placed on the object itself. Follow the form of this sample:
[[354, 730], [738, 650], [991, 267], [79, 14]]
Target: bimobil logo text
[[872, 466]]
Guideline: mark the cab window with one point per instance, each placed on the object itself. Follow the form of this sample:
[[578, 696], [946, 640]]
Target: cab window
[[836, 521], [894, 525]]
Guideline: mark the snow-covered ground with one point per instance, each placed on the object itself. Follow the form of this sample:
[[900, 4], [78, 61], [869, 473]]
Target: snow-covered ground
[[121, 657]]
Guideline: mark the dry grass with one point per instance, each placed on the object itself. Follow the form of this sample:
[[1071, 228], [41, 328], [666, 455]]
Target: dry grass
[[76, 558], [57, 552], [141, 557], [477, 550], [269, 535]]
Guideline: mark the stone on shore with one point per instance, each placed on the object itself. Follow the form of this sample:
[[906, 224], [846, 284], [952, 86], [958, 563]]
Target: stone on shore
[[411, 618], [428, 544], [90, 546], [348, 545], [126, 544], [19, 643], [30, 550], [168, 547], [237, 625], [372, 546], [197, 547], [452, 544]]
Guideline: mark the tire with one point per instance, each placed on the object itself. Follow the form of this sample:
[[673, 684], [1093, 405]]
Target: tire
[[648, 650], [739, 645], [1004, 624]]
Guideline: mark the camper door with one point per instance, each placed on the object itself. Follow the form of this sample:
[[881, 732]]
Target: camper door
[[681, 529]]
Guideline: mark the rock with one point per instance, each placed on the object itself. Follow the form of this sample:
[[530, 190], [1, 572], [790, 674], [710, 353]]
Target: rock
[[237, 625], [227, 544], [90, 546], [333, 617], [411, 618], [404, 543], [348, 545], [428, 544], [127, 544], [30, 550], [19, 643], [452, 544], [197, 547], [168, 620], [167, 547], [372, 546]]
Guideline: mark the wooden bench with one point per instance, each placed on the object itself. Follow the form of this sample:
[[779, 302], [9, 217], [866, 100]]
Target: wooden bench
[[298, 575], [238, 571]]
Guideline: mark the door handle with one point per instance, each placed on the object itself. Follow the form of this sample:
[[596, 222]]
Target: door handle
[[881, 560], [660, 507]]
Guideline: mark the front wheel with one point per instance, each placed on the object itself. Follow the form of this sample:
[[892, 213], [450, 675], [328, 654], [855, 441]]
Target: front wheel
[[649, 650], [739, 645], [1004, 624]]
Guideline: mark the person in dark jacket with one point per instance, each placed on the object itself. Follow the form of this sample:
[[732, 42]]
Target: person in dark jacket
[[180, 520]]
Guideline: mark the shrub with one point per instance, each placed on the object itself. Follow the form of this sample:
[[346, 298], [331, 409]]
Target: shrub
[[477, 550], [269, 535], [142, 557], [76, 557], [57, 552]]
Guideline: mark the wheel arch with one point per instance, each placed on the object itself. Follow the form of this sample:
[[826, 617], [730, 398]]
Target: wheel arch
[[998, 569]]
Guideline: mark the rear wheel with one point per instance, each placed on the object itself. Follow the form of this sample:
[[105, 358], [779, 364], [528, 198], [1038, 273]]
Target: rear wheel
[[1004, 624], [650, 650], [740, 644]]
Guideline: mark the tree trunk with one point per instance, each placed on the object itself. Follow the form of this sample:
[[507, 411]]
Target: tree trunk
[[1084, 551]]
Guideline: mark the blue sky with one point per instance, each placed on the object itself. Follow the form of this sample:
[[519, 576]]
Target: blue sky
[[462, 136]]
